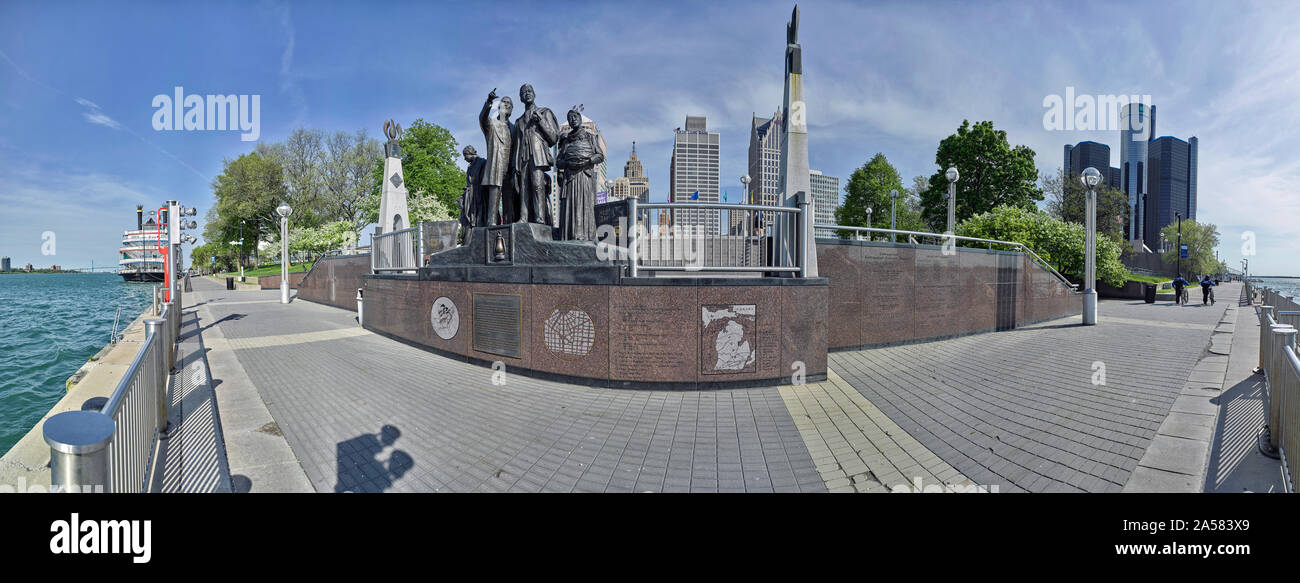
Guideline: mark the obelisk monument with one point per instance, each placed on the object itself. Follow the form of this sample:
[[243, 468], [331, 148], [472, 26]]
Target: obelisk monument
[[393, 214], [795, 179]]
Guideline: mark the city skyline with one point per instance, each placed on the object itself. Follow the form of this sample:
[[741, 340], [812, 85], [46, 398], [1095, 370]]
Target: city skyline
[[76, 134]]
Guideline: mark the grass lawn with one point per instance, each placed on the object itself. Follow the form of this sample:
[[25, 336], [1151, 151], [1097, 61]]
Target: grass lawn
[[1149, 278], [269, 269]]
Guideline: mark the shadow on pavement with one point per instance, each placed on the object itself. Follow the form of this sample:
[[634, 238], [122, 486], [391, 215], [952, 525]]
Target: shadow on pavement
[[362, 467]]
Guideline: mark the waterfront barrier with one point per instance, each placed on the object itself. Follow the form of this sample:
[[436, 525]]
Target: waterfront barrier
[[112, 449], [1279, 317]]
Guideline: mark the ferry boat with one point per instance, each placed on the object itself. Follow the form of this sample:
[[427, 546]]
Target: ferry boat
[[141, 261]]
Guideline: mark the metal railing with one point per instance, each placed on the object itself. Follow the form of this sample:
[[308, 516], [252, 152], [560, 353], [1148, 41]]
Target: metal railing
[[399, 250], [112, 448], [695, 237], [1281, 367], [942, 239]]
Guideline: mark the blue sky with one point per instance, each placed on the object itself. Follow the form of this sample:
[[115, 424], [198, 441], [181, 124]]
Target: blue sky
[[78, 150]]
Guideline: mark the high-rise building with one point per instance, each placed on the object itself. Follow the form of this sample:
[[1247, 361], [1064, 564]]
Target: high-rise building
[[1086, 155], [826, 197], [4, 264], [1113, 178], [633, 182], [765, 163], [1137, 127], [693, 174], [1172, 176]]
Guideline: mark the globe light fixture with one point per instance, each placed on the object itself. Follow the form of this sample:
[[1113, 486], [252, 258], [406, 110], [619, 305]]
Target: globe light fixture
[[1090, 178], [952, 176]]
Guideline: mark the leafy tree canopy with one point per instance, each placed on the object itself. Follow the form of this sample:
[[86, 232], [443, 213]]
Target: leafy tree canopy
[[1201, 239], [992, 174], [1057, 242], [429, 171]]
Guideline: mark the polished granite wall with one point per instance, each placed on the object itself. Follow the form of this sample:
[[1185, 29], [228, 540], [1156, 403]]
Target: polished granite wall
[[882, 293], [333, 281], [646, 332]]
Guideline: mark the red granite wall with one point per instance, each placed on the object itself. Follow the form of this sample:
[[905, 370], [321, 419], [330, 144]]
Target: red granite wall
[[884, 294], [624, 334], [273, 281], [334, 281]]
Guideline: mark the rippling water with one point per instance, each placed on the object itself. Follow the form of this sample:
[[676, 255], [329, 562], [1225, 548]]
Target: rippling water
[[50, 324], [1287, 286]]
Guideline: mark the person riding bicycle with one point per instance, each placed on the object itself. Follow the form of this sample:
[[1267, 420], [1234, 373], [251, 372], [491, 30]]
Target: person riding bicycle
[[1207, 294], [1180, 285]]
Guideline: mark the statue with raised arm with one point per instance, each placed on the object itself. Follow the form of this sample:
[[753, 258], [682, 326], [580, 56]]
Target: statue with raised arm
[[498, 133], [535, 132], [579, 154]]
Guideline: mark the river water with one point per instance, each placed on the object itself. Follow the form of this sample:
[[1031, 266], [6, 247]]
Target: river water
[[1287, 286], [50, 324]]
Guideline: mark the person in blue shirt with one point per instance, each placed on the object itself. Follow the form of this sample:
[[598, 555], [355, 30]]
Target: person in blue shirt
[[1207, 294], [1180, 284]]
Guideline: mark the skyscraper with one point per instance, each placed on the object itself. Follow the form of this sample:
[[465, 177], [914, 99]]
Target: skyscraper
[[1137, 127], [1172, 177], [826, 197], [1086, 155], [4, 264], [693, 174], [638, 183], [765, 163]]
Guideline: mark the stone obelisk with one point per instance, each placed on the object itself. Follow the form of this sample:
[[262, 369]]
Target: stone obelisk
[[393, 213], [392, 200], [795, 181]]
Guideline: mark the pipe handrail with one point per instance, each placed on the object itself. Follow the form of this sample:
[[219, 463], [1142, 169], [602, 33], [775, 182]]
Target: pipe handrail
[[1030, 252]]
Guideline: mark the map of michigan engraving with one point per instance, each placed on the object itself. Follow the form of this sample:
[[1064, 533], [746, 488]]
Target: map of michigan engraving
[[727, 338]]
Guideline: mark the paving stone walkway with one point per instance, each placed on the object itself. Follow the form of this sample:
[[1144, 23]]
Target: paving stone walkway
[[310, 401], [1055, 407], [365, 413]]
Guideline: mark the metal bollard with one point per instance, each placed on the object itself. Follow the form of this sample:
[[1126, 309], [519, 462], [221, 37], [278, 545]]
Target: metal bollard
[[156, 327], [360, 309], [169, 337], [78, 443], [1265, 313], [1281, 336]]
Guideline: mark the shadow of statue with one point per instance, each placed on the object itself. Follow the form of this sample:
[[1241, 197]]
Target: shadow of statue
[[362, 465]]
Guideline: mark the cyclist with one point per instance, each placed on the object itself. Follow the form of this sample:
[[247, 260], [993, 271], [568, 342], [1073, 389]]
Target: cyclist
[[1207, 290], [1180, 289]]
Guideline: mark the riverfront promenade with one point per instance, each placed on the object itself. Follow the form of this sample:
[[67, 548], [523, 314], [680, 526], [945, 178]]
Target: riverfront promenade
[[309, 401]]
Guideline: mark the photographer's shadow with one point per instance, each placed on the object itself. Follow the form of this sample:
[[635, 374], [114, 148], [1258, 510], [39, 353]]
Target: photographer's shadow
[[362, 466]]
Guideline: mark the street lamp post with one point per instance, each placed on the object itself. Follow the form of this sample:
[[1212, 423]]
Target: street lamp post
[[284, 210], [1090, 178], [893, 213], [242, 224], [868, 223], [952, 176], [744, 189]]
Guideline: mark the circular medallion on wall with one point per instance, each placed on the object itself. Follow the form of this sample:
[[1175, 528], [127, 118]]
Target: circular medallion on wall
[[445, 318], [569, 333]]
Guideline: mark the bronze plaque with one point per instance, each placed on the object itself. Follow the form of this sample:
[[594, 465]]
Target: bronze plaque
[[498, 324]]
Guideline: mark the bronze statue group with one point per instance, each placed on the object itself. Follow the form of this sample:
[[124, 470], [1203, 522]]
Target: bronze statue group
[[509, 183]]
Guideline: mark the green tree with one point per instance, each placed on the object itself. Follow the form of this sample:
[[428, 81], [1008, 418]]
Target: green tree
[[347, 165], [993, 173], [247, 192], [301, 157], [315, 241], [1057, 242], [1067, 199], [1201, 239], [429, 172], [868, 187]]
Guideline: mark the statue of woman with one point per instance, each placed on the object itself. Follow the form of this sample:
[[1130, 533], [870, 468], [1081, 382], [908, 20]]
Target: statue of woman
[[580, 153]]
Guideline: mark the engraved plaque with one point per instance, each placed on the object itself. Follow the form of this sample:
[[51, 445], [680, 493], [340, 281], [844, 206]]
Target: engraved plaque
[[497, 324], [728, 338]]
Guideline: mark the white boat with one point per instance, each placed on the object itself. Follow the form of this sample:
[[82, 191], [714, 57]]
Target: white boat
[[140, 258]]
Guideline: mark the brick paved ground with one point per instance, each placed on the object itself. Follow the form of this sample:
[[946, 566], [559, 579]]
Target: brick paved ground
[[332, 390], [1014, 409], [1020, 409]]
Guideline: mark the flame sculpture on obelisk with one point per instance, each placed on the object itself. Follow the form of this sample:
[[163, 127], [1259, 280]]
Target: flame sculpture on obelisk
[[795, 181]]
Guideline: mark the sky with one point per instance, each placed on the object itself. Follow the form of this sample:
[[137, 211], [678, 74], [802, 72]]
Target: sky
[[78, 148]]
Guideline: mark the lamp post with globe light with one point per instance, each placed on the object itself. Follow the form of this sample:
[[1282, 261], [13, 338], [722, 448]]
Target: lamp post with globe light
[[284, 211], [893, 213], [952, 177], [1090, 178]]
